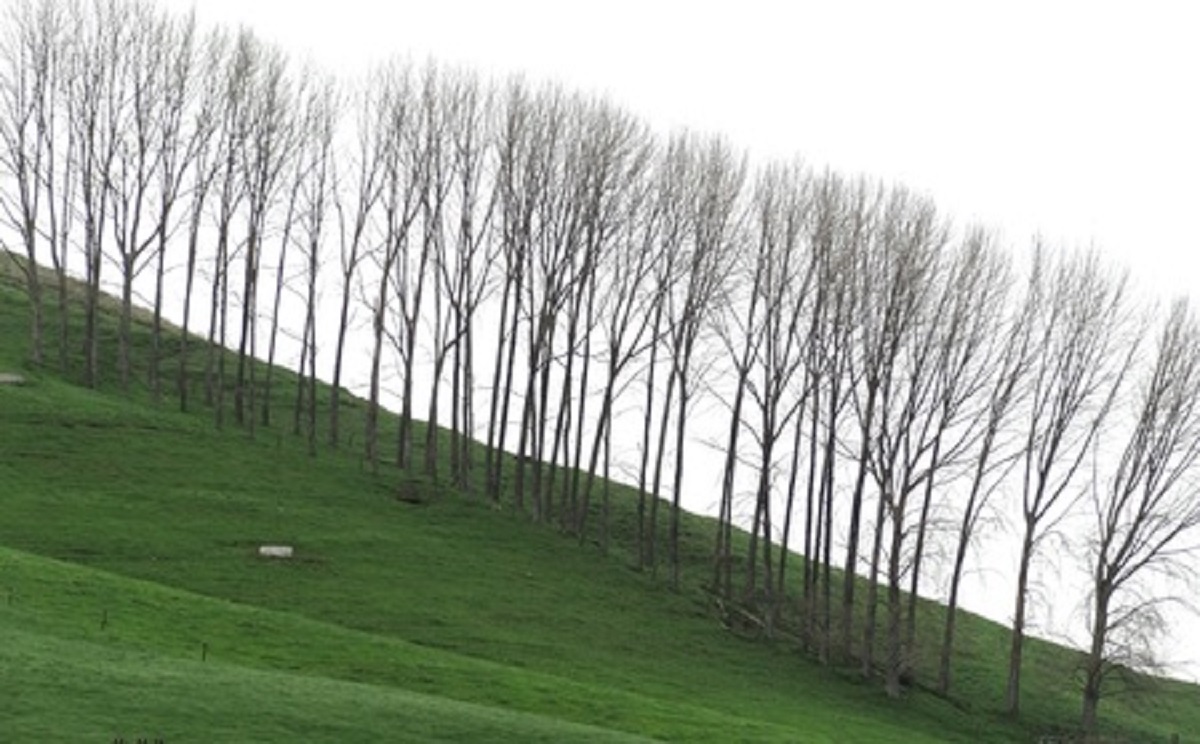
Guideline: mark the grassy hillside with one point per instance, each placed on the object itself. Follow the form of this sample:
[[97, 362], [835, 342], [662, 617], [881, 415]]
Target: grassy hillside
[[133, 603]]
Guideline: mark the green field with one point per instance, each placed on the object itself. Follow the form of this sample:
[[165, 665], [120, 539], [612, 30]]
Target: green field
[[133, 604]]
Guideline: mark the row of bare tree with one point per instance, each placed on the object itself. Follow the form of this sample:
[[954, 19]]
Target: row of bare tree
[[891, 384]]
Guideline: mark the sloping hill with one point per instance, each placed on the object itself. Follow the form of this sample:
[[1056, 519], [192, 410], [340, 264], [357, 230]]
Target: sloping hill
[[135, 604]]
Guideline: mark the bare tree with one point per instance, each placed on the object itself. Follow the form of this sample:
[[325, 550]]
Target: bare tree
[[308, 204], [182, 145], [381, 107], [866, 367], [869, 366], [267, 148], [901, 273], [436, 104], [206, 160], [785, 275], [741, 321], [515, 203], [992, 453], [60, 176], [418, 236], [385, 109], [608, 185], [298, 173], [30, 46], [587, 180], [836, 229], [1146, 509], [625, 315], [1081, 358], [671, 184], [714, 211], [237, 79], [966, 318], [545, 234], [151, 92], [96, 109], [470, 130]]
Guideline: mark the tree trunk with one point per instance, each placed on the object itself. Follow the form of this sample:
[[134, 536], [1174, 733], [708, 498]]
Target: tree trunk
[[677, 488], [335, 388], [790, 503], [1094, 664], [944, 663], [243, 404], [372, 414], [539, 422], [510, 364], [36, 319], [871, 610], [33, 285], [723, 553], [1013, 689], [492, 455], [897, 661], [91, 334], [215, 320], [581, 414], [125, 323], [219, 348], [155, 362], [828, 459], [910, 629], [456, 427], [812, 510], [432, 430], [651, 529], [64, 314], [849, 575], [524, 453], [274, 333], [603, 425], [182, 372]]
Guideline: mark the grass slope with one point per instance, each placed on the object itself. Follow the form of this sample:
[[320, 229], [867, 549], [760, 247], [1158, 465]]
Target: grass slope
[[132, 603]]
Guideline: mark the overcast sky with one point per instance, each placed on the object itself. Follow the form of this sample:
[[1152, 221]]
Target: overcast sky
[[1076, 120]]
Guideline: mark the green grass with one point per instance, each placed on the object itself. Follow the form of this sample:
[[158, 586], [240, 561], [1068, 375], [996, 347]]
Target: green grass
[[132, 603], [120, 693]]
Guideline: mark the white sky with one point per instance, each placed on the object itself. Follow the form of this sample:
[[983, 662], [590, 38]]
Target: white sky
[[1078, 120]]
